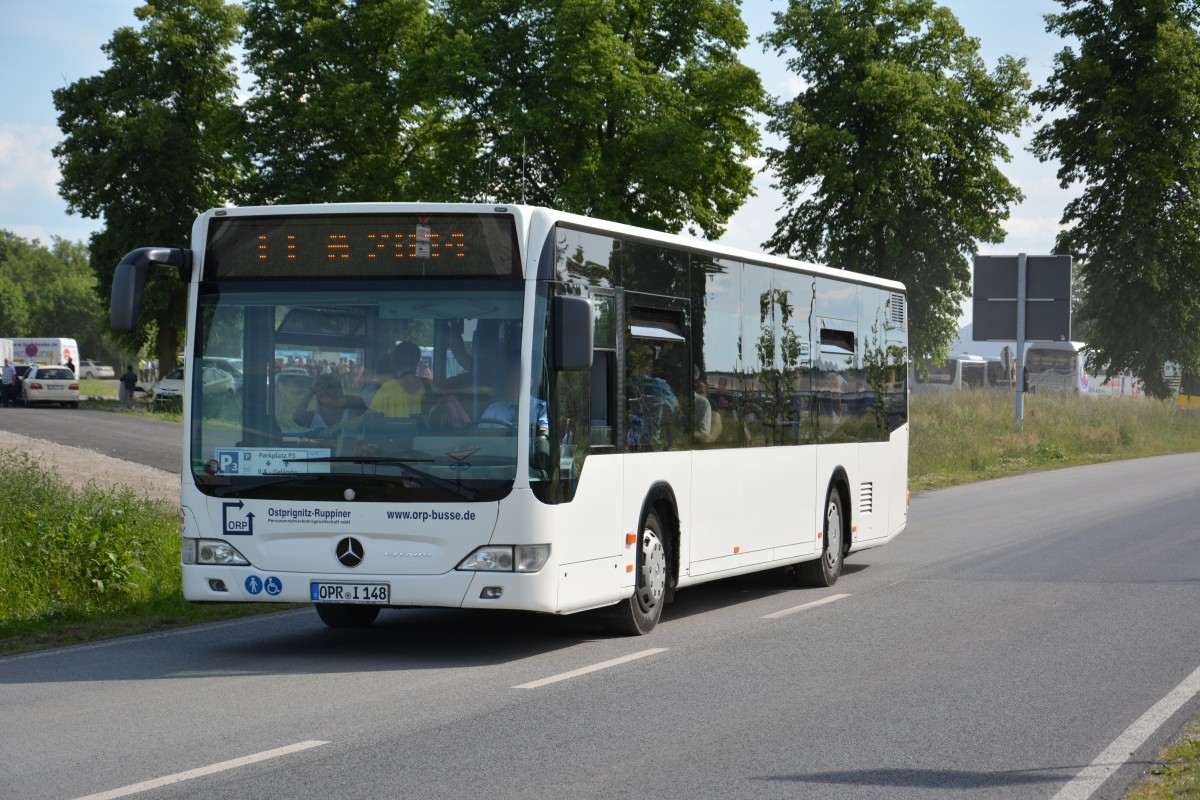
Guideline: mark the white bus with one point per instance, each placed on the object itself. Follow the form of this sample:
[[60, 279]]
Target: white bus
[[692, 411], [956, 373], [1059, 368]]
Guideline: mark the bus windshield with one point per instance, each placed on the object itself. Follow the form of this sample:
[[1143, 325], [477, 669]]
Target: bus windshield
[[396, 390]]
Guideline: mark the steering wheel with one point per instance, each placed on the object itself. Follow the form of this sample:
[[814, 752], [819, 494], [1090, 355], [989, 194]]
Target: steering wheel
[[491, 423]]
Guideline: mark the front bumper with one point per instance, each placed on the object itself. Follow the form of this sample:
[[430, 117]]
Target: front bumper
[[519, 591]]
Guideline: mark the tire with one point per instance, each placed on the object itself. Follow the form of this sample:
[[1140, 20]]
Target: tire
[[89, 375], [638, 615], [73, 405], [346, 615], [826, 570]]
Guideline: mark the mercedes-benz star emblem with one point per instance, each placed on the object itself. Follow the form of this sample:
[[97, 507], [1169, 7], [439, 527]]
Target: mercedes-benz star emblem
[[350, 552]]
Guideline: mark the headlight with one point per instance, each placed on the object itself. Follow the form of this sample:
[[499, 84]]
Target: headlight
[[212, 551], [506, 558]]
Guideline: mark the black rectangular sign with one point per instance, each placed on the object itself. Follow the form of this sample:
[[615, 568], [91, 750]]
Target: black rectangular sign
[[1047, 299]]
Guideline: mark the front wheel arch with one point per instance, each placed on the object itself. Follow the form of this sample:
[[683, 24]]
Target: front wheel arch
[[659, 515]]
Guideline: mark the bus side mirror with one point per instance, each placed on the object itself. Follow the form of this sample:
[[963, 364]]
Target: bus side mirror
[[574, 322], [130, 279]]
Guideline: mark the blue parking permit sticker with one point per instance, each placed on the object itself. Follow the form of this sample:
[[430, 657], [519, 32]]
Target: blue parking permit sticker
[[254, 584], [273, 586]]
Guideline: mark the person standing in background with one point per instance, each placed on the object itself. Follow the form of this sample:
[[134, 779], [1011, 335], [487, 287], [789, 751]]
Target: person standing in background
[[8, 383], [128, 384]]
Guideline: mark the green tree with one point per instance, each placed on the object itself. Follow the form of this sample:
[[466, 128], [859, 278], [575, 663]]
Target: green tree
[[336, 112], [890, 158], [1127, 130], [17, 258], [631, 110], [51, 291], [146, 144]]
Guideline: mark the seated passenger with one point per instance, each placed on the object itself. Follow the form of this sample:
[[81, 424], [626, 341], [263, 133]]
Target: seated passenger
[[332, 409], [406, 394]]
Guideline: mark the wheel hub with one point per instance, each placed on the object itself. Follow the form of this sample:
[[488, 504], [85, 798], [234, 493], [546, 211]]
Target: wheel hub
[[653, 580], [833, 536]]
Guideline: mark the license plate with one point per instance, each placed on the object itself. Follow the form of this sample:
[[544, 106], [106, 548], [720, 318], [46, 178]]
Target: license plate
[[377, 593], [55, 388]]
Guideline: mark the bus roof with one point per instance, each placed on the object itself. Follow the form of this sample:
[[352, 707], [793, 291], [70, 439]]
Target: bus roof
[[527, 214]]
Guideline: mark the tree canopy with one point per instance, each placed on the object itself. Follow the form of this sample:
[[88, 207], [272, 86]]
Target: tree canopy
[[50, 291], [147, 144], [891, 157], [637, 111], [336, 108], [1126, 128]]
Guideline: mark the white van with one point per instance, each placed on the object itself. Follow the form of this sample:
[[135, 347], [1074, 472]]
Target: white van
[[45, 350]]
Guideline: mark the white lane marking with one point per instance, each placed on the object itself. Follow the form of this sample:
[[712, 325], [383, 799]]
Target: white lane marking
[[805, 607], [1088, 780], [575, 673], [179, 777]]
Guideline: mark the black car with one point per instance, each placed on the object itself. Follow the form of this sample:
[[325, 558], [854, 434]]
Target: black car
[[22, 370]]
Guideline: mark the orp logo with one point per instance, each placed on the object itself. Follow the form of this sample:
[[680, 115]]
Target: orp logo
[[235, 523]]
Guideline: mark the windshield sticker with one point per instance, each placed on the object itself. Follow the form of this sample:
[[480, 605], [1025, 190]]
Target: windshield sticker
[[271, 461]]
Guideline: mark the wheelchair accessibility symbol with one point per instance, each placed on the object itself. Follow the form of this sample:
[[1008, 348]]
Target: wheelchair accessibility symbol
[[273, 585]]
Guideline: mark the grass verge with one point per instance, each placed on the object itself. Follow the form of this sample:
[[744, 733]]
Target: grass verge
[[959, 437], [1176, 772], [83, 564]]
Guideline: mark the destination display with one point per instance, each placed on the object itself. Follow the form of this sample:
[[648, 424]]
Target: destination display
[[341, 246]]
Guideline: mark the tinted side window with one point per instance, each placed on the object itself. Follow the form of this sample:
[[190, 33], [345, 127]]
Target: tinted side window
[[884, 364], [587, 259], [717, 352], [760, 349], [651, 269], [793, 295], [658, 397]]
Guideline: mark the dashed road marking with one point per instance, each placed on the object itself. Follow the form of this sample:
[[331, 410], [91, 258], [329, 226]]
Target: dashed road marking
[[200, 772], [575, 673], [785, 612]]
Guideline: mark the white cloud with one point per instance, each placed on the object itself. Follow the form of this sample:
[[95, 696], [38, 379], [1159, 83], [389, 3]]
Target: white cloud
[[1038, 233], [28, 171], [31, 232]]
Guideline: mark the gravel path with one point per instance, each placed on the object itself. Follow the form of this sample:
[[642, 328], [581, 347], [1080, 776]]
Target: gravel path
[[79, 467]]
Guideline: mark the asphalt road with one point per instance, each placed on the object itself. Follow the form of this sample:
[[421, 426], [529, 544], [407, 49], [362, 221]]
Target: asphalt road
[[144, 441], [1014, 632]]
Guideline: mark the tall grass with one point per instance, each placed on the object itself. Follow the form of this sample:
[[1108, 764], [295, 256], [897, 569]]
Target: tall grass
[[80, 563], [958, 437], [68, 551]]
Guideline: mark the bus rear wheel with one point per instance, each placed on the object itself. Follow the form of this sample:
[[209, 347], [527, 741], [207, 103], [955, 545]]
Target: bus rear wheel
[[639, 614], [346, 615], [826, 570]]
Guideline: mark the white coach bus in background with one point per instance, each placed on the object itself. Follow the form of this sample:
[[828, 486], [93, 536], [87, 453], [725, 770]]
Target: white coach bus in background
[[1059, 368], [578, 453]]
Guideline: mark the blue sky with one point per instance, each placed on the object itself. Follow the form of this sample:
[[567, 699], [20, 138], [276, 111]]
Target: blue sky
[[46, 44]]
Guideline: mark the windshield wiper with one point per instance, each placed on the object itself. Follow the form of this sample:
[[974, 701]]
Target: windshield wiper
[[275, 480], [407, 463]]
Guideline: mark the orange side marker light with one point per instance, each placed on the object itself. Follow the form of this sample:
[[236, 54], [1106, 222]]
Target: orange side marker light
[[630, 538]]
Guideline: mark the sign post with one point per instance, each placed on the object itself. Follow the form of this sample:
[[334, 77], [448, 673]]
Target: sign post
[[1022, 298]]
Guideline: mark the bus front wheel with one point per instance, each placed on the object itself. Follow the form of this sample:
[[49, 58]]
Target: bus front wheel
[[828, 568], [346, 615], [639, 614]]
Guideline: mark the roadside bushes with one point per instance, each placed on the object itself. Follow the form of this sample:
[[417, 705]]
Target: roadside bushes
[[73, 553]]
